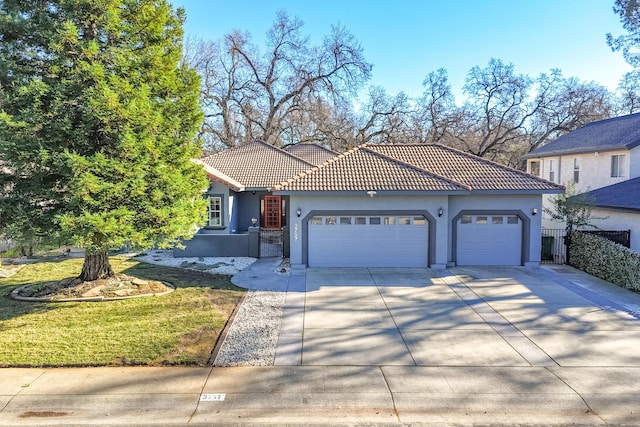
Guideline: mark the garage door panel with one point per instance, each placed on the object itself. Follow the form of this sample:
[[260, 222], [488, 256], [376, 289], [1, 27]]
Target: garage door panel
[[489, 243], [370, 245]]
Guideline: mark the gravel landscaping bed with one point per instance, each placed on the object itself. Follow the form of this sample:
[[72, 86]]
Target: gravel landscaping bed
[[214, 265], [253, 336]]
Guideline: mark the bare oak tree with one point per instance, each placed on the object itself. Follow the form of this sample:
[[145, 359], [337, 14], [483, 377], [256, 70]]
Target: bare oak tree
[[248, 94], [382, 119], [436, 110], [496, 109], [629, 93], [563, 105]]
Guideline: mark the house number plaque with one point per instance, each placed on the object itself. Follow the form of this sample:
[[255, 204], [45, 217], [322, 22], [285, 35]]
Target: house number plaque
[[212, 397]]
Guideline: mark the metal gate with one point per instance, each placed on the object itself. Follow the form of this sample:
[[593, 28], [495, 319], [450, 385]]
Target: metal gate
[[554, 250], [271, 242]]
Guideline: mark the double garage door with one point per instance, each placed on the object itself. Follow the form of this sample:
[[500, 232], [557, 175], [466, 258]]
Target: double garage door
[[403, 240], [368, 241]]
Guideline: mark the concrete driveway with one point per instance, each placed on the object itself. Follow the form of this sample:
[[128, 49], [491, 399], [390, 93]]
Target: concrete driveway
[[463, 316]]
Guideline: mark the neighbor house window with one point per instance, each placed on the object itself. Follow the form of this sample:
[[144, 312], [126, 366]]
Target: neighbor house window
[[617, 165], [576, 170], [215, 211], [552, 173], [534, 168]]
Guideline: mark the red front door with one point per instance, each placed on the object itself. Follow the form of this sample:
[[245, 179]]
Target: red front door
[[272, 212]]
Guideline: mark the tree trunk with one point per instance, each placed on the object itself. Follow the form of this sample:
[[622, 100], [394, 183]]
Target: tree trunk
[[96, 266]]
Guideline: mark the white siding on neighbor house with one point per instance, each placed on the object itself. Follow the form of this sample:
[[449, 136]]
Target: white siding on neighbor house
[[595, 172], [595, 168], [618, 220]]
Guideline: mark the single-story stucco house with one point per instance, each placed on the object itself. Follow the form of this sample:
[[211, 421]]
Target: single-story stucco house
[[410, 205]]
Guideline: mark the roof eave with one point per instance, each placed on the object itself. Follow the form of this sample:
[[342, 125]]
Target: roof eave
[[368, 193], [617, 208], [519, 192], [257, 189], [555, 153], [220, 177]]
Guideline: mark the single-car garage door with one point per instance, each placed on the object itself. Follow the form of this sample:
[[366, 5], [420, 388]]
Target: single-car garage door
[[368, 241], [489, 240]]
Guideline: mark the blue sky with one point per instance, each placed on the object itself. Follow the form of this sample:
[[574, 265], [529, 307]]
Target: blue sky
[[405, 39]]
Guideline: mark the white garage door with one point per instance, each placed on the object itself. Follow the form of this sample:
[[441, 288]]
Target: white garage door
[[368, 241], [489, 240]]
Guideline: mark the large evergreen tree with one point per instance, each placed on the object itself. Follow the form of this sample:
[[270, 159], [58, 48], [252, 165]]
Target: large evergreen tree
[[97, 123]]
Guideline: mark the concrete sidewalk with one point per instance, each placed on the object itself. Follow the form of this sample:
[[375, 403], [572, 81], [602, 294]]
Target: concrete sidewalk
[[548, 346], [333, 395]]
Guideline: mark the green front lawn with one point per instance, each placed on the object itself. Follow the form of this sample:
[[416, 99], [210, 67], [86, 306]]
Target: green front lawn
[[179, 328]]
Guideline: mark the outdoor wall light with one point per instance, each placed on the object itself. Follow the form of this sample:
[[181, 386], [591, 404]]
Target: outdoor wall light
[[371, 193], [298, 212], [534, 211], [440, 212], [254, 221]]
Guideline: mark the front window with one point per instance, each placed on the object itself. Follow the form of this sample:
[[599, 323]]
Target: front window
[[215, 211], [552, 173], [617, 165], [576, 170]]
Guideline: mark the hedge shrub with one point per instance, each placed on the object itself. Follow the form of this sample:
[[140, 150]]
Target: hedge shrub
[[605, 259]]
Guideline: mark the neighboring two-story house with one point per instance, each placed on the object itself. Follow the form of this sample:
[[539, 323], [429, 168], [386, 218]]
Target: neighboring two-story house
[[602, 159]]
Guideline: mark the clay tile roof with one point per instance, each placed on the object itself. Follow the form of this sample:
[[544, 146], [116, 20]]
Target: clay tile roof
[[477, 173], [253, 165], [313, 153], [362, 169]]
